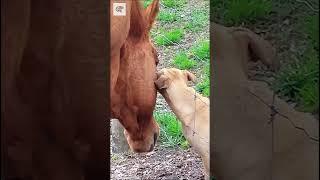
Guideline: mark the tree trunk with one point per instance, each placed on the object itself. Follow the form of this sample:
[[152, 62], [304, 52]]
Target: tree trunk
[[118, 141]]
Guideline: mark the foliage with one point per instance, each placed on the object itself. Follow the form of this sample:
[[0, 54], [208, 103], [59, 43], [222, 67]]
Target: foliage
[[201, 51], [173, 3], [300, 81], [198, 20], [167, 17], [204, 86], [235, 12], [312, 29], [146, 3], [170, 130], [169, 38], [181, 61]]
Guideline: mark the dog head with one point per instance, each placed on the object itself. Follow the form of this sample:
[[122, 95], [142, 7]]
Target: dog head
[[165, 77]]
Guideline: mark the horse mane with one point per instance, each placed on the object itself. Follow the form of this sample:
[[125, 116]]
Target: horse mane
[[138, 22]]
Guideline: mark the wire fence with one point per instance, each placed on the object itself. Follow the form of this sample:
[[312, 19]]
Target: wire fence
[[274, 111], [199, 104], [298, 140]]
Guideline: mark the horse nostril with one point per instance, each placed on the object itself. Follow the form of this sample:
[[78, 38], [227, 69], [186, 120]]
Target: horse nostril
[[155, 136]]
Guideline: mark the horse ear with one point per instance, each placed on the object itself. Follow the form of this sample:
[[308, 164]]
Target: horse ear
[[162, 82], [152, 12], [190, 76]]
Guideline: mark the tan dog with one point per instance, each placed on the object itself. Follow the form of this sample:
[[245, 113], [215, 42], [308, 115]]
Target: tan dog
[[191, 108], [242, 143], [242, 147]]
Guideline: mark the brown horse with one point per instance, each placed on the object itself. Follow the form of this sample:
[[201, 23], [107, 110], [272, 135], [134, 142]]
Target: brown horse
[[133, 66], [53, 86]]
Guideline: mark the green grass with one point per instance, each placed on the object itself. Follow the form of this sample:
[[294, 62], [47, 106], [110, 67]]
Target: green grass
[[234, 12], [212, 178], [201, 51], [146, 3], [169, 38], [167, 17], [204, 86], [217, 8], [174, 3], [312, 29], [170, 130], [114, 157], [198, 20], [167, 3], [299, 81], [181, 61], [309, 97]]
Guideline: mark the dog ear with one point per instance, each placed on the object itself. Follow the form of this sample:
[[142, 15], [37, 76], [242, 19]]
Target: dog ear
[[162, 82], [258, 48], [190, 76], [159, 73]]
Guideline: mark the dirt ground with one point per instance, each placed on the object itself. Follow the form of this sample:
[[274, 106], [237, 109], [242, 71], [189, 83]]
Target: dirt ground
[[162, 163]]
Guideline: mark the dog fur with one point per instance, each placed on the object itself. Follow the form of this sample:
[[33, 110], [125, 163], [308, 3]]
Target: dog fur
[[191, 108]]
